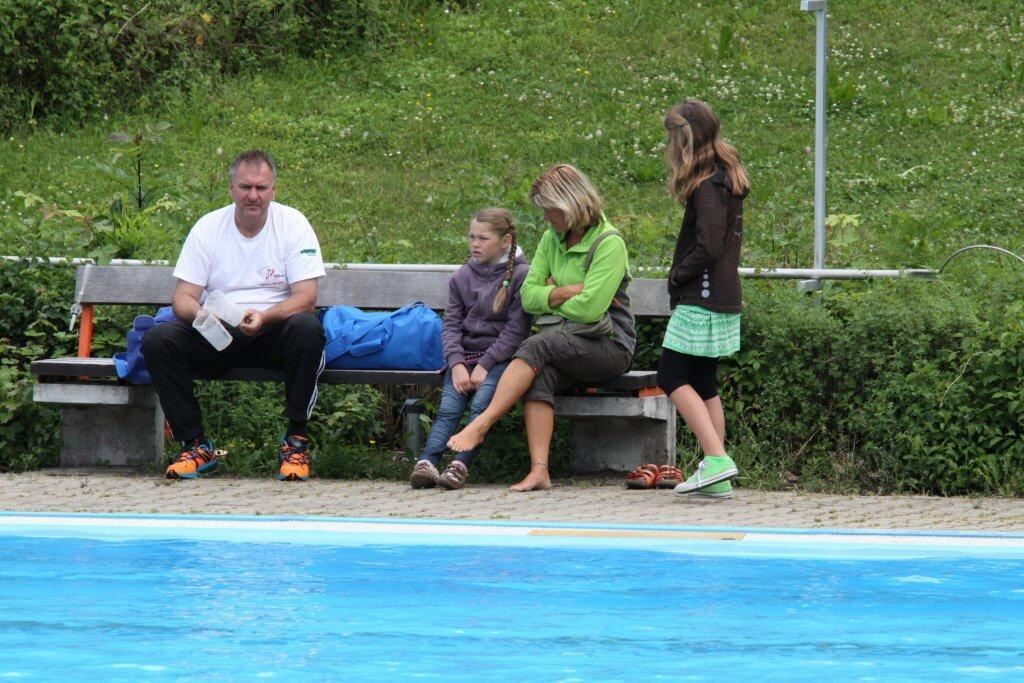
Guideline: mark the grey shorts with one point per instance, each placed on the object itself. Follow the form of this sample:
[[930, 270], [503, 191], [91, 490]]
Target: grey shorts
[[563, 360]]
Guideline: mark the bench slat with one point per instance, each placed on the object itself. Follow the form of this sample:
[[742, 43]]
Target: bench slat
[[153, 285], [74, 367], [365, 288], [634, 380], [383, 289], [125, 284], [104, 368], [329, 376]]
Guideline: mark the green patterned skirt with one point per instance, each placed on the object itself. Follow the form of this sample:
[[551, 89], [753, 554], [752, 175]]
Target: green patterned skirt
[[699, 332]]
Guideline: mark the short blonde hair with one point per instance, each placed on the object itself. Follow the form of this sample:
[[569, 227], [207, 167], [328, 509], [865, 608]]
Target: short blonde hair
[[564, 187]]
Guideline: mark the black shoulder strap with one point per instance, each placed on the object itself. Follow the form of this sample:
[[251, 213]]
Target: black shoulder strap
[[593, 247]]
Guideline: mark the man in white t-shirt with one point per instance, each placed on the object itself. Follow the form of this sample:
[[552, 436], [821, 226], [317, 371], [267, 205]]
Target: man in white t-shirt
[[266, 259]]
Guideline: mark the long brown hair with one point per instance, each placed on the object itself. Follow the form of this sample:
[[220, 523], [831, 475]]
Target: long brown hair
[[694, 146], [500, 220]]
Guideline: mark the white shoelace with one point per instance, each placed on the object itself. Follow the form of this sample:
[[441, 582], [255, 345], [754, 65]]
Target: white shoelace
[[700, 468]]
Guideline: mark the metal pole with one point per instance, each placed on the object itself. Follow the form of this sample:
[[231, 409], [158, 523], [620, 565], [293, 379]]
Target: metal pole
[[820, 100], [819, 143]]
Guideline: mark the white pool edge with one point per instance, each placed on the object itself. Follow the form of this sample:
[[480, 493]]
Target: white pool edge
[[825, 543]]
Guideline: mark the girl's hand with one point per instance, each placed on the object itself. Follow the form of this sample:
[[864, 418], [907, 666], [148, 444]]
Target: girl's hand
[[478, 377], [460, 379]]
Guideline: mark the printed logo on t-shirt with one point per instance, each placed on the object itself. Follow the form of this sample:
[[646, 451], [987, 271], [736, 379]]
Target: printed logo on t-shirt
[[271, 278], [308, 252]]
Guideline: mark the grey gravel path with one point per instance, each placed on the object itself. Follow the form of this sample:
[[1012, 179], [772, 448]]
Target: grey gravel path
[[596, 501]]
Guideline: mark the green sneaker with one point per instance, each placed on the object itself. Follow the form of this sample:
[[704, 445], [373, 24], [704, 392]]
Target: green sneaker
[[722, 489], [712, 470]]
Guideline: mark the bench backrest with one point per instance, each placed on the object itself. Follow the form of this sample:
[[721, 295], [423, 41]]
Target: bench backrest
[[377, 287]]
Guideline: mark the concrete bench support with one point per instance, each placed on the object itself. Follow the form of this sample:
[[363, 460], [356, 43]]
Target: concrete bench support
[[619, 432], [106, 424]]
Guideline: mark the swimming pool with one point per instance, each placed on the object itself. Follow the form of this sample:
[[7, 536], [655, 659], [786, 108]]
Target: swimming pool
[[118, 597]]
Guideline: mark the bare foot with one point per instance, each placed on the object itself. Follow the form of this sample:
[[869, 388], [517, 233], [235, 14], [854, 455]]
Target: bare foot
[[536, 480], [468, 439]]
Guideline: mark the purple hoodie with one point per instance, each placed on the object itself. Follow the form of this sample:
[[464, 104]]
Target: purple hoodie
[[472, 333]]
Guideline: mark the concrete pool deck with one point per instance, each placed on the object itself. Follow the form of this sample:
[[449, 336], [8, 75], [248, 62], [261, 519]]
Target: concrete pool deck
[[582, 501]]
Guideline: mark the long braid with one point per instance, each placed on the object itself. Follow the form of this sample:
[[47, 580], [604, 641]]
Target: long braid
[[510, 266], [503, 224]]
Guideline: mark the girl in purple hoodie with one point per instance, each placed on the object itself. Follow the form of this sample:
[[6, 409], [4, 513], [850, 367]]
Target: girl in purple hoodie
[[484, 323]]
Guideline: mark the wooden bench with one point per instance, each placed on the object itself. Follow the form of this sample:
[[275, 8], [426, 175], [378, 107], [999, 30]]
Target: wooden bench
[[615, 426]]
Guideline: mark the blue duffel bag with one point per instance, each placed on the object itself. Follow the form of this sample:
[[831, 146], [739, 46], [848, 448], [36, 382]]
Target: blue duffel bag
[[130, 364], [406, 339]]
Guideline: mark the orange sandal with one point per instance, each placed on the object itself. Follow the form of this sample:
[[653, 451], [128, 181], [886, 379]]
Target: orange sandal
[[668, 477], [642, 477]]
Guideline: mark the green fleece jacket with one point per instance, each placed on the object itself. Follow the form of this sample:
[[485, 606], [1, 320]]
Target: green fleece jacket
[[565, 266]]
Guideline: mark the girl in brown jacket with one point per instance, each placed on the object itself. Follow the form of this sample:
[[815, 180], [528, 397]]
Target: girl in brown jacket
[[707, 177]]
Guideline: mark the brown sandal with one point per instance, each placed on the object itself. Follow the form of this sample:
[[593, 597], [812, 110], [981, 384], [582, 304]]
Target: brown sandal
[[642, 477], [668, 477]]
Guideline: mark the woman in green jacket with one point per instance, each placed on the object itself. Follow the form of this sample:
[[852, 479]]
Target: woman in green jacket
[[577, 287]]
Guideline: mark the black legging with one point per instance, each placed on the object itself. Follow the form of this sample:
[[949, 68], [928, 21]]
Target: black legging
[[679, 369]]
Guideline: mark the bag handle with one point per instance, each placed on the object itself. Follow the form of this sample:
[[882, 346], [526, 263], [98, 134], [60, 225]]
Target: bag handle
[[346, 339], [346, 343], [374, 345]]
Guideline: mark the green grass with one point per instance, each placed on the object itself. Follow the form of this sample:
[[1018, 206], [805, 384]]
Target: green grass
[[388, 154]]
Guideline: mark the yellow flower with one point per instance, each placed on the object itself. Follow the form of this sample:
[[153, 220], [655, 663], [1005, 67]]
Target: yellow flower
[[206, 17]]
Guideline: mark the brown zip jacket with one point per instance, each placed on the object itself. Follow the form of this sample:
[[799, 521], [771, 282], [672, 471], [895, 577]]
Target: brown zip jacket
[[705, 264]]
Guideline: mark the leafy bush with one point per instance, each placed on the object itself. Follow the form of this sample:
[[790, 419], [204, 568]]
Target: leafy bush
[[894, 386], [33, 324], [92, 231]]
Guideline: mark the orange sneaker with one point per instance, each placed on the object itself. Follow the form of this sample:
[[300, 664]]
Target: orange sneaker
[[194, 460], [294, 457]]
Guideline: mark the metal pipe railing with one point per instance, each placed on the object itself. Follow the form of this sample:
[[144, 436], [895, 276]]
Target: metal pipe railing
[[756, 273], [834, 273]]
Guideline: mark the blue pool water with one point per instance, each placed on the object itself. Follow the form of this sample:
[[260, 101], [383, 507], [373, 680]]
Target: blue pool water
[[173, 603]]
